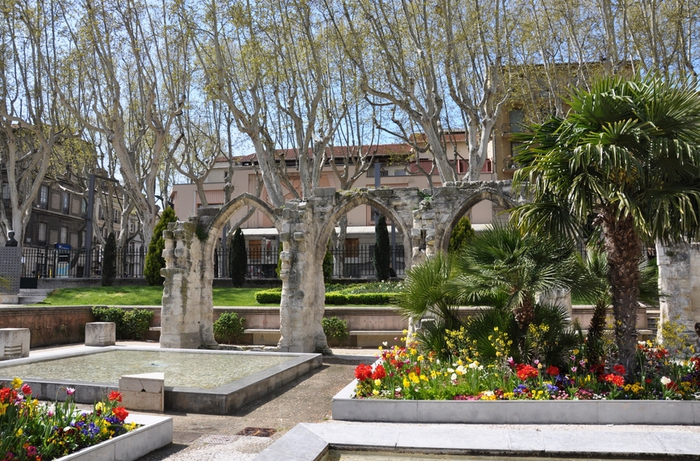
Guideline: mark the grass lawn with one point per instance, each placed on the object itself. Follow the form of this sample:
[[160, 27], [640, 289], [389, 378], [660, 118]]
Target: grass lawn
[[141, 296]]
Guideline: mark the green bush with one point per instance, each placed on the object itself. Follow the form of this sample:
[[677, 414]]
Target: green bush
[[109, 314], [136, 323], [130, 324], [335, 328], [154, 257], [109, 261], [229, 328], [272, 296], [334, 298]]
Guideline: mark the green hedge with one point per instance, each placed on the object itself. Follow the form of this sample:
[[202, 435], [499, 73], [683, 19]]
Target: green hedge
[[130, 324], [332, 298]]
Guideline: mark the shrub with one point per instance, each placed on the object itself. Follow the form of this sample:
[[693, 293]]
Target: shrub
[[335, 328], [154, 257], [229, 328], [136, 323], [109, 261], [336, 299], [272, 296], [110, 314], [238, 259], [130, 324], [382, 250]]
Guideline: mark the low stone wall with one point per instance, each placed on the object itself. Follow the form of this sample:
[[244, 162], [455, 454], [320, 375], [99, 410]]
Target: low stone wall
[[368, 326], [49, 325]]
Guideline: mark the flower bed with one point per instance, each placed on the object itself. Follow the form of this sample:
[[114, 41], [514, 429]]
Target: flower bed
[[407, 386], [39, 432], [406, 374]]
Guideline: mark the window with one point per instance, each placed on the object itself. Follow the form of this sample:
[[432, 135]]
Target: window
[[64, 235], [115, 218], [516, 118], [352, 248], [83, 207], [382, 172], [44, 197], [5, 191], [42, 232], [65, 202]]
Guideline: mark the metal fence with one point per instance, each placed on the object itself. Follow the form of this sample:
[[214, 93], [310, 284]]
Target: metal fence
[[354, 262], [58, 263]]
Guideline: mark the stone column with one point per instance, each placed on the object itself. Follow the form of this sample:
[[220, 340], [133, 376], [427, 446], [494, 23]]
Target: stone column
[[679, 286], [187, 312], [302, 304]]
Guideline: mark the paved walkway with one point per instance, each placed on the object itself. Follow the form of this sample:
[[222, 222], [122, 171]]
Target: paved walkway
[[308, 400]]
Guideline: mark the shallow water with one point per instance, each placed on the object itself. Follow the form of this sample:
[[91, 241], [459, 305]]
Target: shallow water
[[182, 369], [342, 455]]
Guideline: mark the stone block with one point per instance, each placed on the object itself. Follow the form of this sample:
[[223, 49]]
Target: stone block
[[14, 343], [100, 334], [144, 392]]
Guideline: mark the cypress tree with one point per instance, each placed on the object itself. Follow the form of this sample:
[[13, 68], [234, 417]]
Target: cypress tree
[[461, 235], [154, 257], [382, 250], [328, 265], [109, 261], [238, 259]]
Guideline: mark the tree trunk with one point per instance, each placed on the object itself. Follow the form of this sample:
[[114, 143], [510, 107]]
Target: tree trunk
[[623, 248]]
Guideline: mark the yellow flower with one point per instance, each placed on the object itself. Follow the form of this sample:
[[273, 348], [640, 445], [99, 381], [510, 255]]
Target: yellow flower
[[377, 382], [3, 408], [420, 358], [19, 432], [406, 383], [413, 377], [16, 383], [375, 392], [99, 406]]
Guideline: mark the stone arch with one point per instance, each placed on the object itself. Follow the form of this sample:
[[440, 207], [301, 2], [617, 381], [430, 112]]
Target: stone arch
[[214, 224], [353, 199], [497, 195]]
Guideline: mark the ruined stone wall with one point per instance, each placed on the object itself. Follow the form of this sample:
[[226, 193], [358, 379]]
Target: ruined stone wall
[[679, 285]]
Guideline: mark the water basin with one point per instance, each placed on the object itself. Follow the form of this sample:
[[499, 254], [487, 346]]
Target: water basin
[[198, 381]]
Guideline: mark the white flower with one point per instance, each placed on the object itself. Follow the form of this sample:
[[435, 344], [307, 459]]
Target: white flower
[[474, 365], [665, 380], [454, 377]]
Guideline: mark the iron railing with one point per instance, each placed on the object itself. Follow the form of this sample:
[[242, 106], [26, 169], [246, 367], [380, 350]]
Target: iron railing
[[352, 262]]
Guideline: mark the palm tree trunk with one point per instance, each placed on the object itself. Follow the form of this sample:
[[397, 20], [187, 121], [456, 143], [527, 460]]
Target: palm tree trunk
[[623, 248]]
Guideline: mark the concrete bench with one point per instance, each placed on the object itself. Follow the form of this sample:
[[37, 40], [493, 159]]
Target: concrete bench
[[14, 343], [100, 334]]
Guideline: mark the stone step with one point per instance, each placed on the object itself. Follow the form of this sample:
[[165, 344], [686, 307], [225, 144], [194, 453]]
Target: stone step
[[33, 295]]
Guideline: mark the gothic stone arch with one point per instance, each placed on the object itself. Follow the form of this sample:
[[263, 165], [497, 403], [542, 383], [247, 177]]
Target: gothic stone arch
[[187, 311], [304, 228]]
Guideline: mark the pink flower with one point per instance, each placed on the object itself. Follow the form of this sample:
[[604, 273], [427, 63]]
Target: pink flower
[[70, 390]]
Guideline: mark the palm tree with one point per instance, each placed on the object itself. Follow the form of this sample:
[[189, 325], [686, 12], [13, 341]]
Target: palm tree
[[626, 159], [502, 262], [501, 268]]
